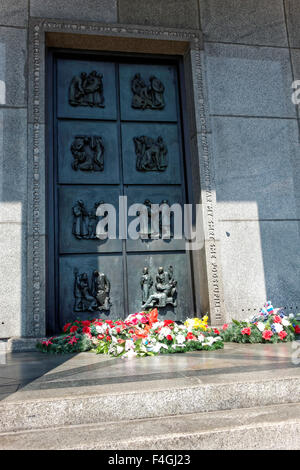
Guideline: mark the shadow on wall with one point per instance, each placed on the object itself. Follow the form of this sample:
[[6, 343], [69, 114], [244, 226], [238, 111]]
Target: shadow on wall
[[256, 152]]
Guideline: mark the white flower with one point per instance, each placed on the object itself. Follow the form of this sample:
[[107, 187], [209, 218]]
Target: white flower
[[130, 354], [119, 349], [158, 346], [260, 325], [285, 322], [201, 338], [129, 344], [278, 328], [291, 316], [180, 339]]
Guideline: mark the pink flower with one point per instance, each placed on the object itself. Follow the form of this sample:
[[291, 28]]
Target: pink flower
[[134, 321], [267, 334], [225, 326], [246, 331], [282, 334], [277, 319], [46, 343], [73, 340]]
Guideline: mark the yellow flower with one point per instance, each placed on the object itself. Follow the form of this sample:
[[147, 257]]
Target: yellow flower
[[197, 323]]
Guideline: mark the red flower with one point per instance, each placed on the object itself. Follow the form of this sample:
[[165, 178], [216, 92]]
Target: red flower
[[67, 326], [169, 337], [267, 334], [118, 330], [108, 338], [297, 330], [73, 329], [168, 322], [86, 329], [282, 334], [100, 336], [216, 331], [246, 331], [85, 323], [190, 336], [277, 319], [225, 326]]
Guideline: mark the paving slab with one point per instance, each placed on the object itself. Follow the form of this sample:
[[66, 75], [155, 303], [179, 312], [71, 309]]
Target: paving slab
[[39, 390]]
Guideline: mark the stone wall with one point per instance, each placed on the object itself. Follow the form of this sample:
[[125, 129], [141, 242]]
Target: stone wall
[[251, 55]]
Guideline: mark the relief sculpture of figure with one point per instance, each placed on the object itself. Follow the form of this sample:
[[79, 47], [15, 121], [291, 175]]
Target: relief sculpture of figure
[[93, 220], [149, 96], [84, 301], [87, 90], [80, 220], [100, 290], [151, 155], [88, 153], [146, 285], [165, 290], [94, 297]]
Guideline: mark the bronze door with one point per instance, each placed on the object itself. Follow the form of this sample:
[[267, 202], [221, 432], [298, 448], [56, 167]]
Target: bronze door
[[116, 132]]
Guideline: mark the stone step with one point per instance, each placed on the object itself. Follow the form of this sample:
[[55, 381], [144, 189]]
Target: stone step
[[269, 427], [31, 408]]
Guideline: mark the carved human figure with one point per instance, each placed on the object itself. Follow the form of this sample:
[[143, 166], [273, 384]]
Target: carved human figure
[[165, 290], [156, 92], [146, 284], [76, 90], [147, 96], [87, 90], [80, 220], [151, 154], [93, 220], [101, 290], [81, 287], [88, 153]]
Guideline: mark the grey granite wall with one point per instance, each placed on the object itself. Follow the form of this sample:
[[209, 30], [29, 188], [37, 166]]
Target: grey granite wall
[[251, 60], [252, 54]]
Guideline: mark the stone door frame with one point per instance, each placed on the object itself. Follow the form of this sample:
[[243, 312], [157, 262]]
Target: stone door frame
[[187, 44]]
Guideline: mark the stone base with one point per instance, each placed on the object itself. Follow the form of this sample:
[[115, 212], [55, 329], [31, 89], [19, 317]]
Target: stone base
[[269, 427], [16, 344]]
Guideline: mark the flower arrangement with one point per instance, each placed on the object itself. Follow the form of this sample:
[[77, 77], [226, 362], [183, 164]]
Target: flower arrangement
[[140, 334], [268, 326]]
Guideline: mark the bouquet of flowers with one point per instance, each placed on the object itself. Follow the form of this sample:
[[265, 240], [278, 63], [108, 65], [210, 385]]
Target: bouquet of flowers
[[268, 326], [140, 334]]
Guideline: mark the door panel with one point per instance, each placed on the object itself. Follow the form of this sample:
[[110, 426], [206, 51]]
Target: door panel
[[111, 265], [88, 152], [155, 161], [156, 195], [75, 78], [114, 136], [136, 263], [166, 111], [78, 219]]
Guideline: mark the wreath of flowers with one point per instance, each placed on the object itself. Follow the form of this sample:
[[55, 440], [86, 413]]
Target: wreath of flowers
[[141, 334], [268, 326]]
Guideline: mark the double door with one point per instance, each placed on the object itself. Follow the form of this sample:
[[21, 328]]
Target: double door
[[116, 133]]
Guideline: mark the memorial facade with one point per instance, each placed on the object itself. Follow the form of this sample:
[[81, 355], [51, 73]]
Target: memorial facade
[[156, 103]]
